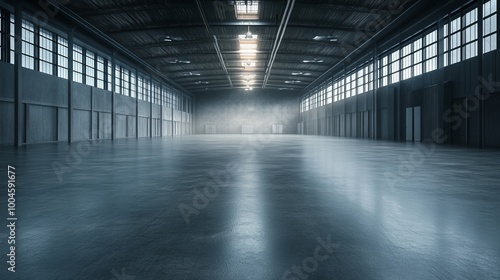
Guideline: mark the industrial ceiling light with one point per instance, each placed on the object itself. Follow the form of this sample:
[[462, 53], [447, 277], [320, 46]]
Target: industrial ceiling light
[[249, 34], [187, 74], [248, 47], [301, 74], [169, 38], [201, 83], [329, 38], [174, 61], [248, 64], [293, 82], [314, 60]]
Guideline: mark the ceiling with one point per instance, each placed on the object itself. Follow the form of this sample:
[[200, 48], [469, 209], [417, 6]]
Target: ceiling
[[196, 44]]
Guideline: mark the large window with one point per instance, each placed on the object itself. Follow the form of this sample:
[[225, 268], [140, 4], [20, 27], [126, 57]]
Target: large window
[[490, 26], [470, 34], [384, 71], [338, 90], [329, 92], [146, 90], [133, 84], [43, 49], [110, 76], [125, 82], [155, 95], [101, 72], [348, 86], [365, 83], [322, 96], [406, 52], [12, 39], [313, 103], [62, 58], [46, 51], [118, 79], [77, 63], [360, 81], [394, 69], [164, 93], [461, 34], [28, 45], [90, 68], [140, 88], [417, 57], [431, 51]]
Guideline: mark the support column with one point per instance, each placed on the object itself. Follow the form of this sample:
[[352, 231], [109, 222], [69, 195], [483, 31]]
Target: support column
[[113, 101], [375, 93], [151, 106], [137, 103], [70, 85], [482, 116], [161, 110], [18, 79], [172, 116], [182, 113]]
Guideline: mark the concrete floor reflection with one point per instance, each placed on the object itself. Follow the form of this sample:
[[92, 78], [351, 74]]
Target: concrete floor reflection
[[255, 207]]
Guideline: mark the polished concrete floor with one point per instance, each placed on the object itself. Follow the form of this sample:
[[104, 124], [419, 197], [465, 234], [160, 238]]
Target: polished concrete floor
[[253, 207]]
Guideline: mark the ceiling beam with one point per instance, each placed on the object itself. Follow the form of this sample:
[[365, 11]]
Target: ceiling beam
[[130, 8], [206, 41], [303, 55], [237, 77], [268, 24], [259, 71]]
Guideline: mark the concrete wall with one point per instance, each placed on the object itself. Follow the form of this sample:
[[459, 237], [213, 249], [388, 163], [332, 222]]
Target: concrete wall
[[448, 96], [230, 109], [46, 111]]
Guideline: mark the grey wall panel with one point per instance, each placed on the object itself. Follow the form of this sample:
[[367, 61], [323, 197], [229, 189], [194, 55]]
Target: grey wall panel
[[6, 123], [339, 107], [177, 116], [62, 118], [121, 126], [101, 100], [95, 125], [6, 80], [81, 125], [167, 128], [321, 112], [458, 124], [41, 124], [229, 109], [44, 89], [104, 130], [144, 109], [167, 113], [156, 111], [131, 126], [329, 108], [492, 120], [362, 102], [81, 96], [143, 127], [350, 105], [125, 105]]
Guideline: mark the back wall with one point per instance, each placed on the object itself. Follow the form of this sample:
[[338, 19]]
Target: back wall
[[261, 108]]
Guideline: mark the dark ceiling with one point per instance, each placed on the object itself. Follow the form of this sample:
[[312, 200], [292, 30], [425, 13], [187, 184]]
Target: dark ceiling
[[195, 43]]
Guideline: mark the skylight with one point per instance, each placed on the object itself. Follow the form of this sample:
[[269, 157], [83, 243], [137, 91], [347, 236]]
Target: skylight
[[248, 9]]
